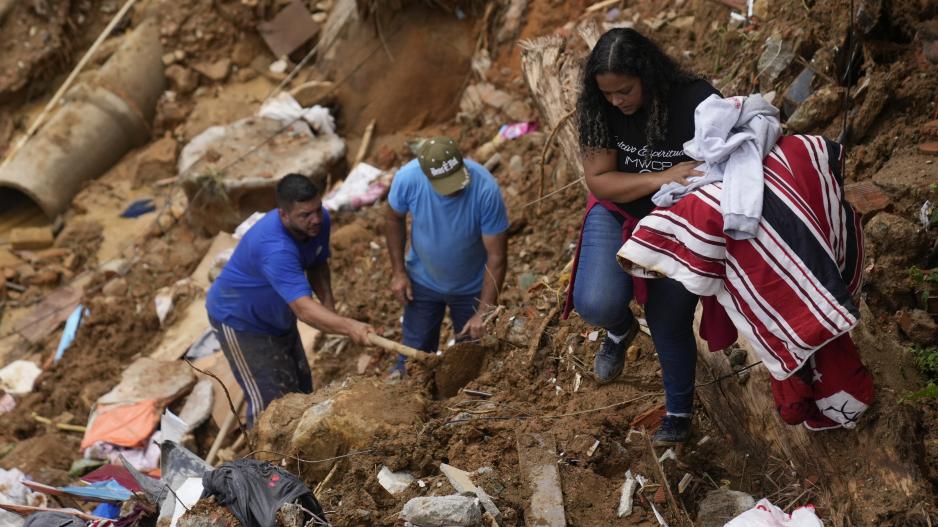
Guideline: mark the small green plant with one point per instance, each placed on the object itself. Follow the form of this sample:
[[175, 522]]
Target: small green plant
[[928, 392], [927, 360], [925, 282]]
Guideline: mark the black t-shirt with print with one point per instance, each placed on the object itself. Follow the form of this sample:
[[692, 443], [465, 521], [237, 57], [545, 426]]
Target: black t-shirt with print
[[629, 138]]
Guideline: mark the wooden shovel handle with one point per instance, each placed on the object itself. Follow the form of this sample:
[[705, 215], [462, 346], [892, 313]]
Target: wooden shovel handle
[[406, 351]]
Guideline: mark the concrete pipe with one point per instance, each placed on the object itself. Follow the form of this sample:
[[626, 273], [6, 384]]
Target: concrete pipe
[[102, 119]]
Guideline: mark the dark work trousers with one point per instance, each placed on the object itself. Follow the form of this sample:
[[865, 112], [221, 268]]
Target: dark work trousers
[[266, 367]]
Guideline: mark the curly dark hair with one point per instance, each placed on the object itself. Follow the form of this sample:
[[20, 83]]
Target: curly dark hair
[[627, 52]]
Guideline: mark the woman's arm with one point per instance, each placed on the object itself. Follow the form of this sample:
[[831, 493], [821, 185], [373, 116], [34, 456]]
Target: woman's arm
[[607, 183]]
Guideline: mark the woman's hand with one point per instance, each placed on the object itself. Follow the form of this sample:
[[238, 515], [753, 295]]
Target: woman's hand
[[680, 172]]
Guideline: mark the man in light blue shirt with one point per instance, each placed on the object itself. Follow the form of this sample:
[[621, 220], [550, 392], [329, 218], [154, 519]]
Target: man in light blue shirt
[[458, 243]]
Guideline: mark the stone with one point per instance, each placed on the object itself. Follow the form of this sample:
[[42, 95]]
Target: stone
[[31, 238], [518, 111], [866, 197], [443, 511], [908, 176], [115, 287], [337, 419], [930, 148], [349, 235], [9, 260], [462, 483], [722, 505], [312, 93], [892, 234], [776, 57], [243, 52], [182, 79], [515, 167], [927, 35], [216, 71], [478, 96], [919, 326], [683, 22], [930, 128], [148, 378], [394, 482], [817, 110], [43, 277], [156, 161], [798, 91]]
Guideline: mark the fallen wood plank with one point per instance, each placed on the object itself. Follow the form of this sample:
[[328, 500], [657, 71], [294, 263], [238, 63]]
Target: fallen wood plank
[[537, 455], [46, 317]]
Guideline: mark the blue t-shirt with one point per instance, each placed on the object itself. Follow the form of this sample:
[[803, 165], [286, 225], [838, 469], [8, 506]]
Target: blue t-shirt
[[266, 273], [446, 249]]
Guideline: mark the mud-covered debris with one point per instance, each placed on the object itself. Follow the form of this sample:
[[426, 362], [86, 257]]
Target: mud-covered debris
[[31, 238], [777, 56], [216, 70], [866, 197], [721, 506], [919, 326], [443, 511], [817, 110], [892, 234]]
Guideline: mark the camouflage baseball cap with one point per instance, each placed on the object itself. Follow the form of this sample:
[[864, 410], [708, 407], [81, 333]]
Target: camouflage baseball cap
[[441, 161]]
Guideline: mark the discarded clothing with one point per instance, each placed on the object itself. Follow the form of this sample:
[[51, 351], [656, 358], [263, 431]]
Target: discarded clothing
[[830, 391], [764, 514], [126, 425], [731, 136], [255, 490], [53, 519], [138, 208], [790, 289], [110, 511], [714, 326]]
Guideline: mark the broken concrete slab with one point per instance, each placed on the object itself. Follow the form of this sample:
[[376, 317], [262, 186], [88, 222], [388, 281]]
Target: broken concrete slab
[[147, 378], [537, 455], [224, 187], [443, 511], [31, 238], [866, 197], [337, 419], [776, 57]]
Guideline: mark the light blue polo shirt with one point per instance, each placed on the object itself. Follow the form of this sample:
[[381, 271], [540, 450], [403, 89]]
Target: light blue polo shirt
[[446, 250]]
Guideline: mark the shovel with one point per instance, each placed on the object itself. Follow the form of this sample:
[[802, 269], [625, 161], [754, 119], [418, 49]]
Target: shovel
[[456, 367]]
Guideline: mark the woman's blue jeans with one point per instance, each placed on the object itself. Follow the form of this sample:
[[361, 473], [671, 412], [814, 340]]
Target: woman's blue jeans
[[601, 296]]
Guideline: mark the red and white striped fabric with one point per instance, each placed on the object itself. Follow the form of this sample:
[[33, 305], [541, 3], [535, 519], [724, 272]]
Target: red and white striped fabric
[[791, 289]]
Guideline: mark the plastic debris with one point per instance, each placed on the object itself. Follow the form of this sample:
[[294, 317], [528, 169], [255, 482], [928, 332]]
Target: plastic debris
[[188, 494], [515, 130], [138, 208], [18, 377], [764, 514], [360, 188], [7, 403], [626, 498], [685, 481], [68, 334], [928, 214], [109, 490], [668, 454], [284, 109]]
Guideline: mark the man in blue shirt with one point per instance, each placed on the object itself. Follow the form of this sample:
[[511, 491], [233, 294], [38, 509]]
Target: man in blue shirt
[[267, 285], [458, 243]]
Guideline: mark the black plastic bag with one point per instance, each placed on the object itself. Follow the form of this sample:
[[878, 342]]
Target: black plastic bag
[[255, 490], [53, 519]]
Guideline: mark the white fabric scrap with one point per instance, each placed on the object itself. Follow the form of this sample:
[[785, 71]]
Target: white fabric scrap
[[764, 514], [284, 109], [731, 137]]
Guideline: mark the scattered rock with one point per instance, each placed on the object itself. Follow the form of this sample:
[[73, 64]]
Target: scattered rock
[[929, 148], [877, 95], [817, 110], [314, 92], [350, 235], [116, 287], [919, 326], [775, 60], [892, 234], [908, 176], [216, 71], [866, 197], [243, 52], [156, 161], [9, 260], [928, 36], [336, 420], [181, 79], [43, 277], [31, 238], [148, 378], [443, 511], [394, 482], [515, 167], [683, 22], [721, 506]]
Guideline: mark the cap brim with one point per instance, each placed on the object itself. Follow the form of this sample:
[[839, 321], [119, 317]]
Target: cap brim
[[452, 183]]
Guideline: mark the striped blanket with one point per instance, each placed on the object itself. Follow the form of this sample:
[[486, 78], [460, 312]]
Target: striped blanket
[[791, 289]]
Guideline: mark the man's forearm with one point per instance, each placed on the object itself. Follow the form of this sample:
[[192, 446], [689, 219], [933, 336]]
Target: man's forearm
[[395, 235], [493, 281], [322, 318], [320, 279]]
